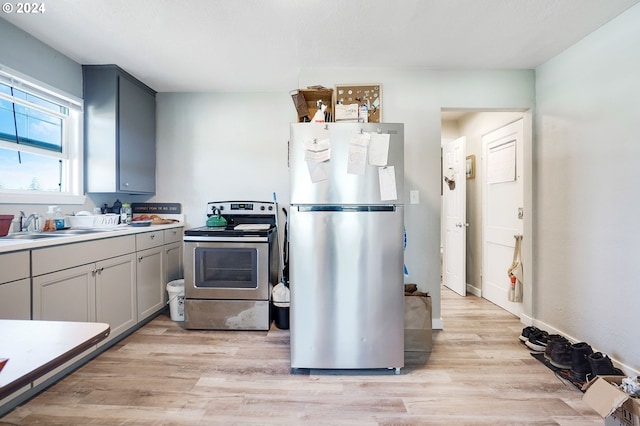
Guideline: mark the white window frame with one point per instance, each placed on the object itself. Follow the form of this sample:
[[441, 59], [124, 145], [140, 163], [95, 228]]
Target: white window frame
[[72, 144]]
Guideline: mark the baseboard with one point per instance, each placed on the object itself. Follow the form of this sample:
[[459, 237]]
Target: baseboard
[[474, 290], [437, 324]]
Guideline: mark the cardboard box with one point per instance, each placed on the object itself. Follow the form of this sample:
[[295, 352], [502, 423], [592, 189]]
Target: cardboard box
[[616, 407], [417, 323], [311, 98]]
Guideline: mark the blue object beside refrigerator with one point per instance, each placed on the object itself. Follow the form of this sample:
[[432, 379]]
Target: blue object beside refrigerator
[[346, 246]]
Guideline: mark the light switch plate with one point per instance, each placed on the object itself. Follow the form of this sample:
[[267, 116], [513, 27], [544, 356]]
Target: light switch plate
[[414, 197]]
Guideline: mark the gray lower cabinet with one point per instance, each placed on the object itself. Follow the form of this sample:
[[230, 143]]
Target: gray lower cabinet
[[116, 299], [173, 254], [15, 286], [92, 281], [159, 257], [98, 292], [119, 127], [103, 291], [150, 276], [150, 279]]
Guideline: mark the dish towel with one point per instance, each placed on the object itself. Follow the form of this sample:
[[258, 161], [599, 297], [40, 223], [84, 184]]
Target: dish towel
[[515, 273]]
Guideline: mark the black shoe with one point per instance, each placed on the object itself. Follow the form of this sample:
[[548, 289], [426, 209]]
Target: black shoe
[[550, 345], [580, 367], [560, 353], [537, 341], [601, 365], [526, 332]]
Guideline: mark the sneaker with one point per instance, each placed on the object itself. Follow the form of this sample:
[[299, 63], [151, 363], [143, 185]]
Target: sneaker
[[560, 353], [550, 344], [537, 341], [601, 365], [526, 332], [580, 367]]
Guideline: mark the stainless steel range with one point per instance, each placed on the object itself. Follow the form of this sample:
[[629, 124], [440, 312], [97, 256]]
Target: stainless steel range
[[230, 270]]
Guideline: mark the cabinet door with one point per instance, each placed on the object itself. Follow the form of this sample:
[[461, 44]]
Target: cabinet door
[[15, 300], [67, 295], [136, 136], [116, 294], [150, 282], [173, 261]]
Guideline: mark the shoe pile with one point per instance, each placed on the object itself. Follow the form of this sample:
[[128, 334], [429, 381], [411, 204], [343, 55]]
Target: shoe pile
[[578, 358]]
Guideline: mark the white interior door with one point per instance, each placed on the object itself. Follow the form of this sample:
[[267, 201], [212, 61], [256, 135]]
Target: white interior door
[[502, 210], [454, 215]]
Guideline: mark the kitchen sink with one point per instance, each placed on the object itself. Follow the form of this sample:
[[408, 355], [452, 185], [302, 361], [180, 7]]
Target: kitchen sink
[[42, 235], [78, 231], [30, 236]]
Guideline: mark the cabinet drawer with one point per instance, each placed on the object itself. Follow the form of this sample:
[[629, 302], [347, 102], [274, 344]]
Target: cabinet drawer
[[14, 266], [57, 258], [172, 235], [148, 240]]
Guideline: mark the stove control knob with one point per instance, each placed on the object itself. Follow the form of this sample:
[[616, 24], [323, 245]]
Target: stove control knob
[[270, 207], [261, 207], [221, 208]]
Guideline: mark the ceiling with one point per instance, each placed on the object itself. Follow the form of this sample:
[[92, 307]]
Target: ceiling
[[261, 45]]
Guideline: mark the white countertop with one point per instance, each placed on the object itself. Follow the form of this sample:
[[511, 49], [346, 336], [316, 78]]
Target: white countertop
[[9, 245]]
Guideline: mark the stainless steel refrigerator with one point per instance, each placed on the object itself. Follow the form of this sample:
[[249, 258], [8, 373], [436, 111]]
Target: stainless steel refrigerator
[[346, 235]]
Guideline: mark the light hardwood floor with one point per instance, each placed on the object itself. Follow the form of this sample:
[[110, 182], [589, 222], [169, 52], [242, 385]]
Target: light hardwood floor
[[477, 374]]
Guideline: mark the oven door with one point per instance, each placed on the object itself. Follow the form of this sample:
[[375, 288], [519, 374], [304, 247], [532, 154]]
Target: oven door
[[226, 270]]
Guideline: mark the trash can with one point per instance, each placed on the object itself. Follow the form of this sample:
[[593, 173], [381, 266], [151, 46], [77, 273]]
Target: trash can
[[281, 304], [175, 289]]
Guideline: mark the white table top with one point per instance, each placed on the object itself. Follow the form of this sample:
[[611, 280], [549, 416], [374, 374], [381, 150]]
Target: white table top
[[34, 348]]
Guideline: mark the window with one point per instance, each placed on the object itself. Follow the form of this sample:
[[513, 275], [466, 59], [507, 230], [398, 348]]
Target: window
[[40, 142]]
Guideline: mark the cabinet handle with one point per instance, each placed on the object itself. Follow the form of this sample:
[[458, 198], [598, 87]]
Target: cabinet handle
[[152, 236], [140, 258]]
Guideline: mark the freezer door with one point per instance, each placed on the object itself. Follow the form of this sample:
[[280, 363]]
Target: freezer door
[[346, 283], [341, 187]]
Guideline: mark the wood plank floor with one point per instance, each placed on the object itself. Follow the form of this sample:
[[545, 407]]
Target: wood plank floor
[[477, 374]]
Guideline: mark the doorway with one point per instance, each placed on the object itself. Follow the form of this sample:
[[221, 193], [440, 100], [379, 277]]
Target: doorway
[[474, 125]]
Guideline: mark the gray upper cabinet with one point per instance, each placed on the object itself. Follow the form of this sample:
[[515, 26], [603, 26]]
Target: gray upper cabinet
[[119, 131]]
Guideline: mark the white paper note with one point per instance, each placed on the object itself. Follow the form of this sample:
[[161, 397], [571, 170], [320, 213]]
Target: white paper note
[[317, 156], [379, 149], [387, 178], [317, 151], [358, 147], [317, 171]]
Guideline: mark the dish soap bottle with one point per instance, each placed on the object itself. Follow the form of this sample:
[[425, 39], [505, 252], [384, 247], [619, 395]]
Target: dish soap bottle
[[49, 221], [59, 218]]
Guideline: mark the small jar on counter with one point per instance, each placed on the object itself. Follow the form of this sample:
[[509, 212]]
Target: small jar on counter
[[126, 213]]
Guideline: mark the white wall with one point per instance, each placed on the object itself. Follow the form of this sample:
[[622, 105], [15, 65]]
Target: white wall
[[24, 53], [587, 223], [222, 146]]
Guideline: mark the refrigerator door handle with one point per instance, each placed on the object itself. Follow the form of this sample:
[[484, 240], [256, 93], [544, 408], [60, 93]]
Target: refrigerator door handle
[[343, 208]]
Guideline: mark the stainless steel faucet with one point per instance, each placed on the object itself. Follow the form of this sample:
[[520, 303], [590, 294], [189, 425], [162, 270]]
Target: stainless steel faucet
[[24, 224]]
